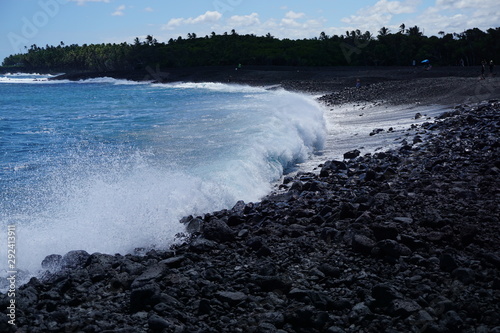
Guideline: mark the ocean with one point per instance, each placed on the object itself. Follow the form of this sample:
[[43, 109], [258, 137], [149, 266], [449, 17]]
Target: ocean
[[107, 165]]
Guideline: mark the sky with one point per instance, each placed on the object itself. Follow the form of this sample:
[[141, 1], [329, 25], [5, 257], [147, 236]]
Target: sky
[[50, 22]]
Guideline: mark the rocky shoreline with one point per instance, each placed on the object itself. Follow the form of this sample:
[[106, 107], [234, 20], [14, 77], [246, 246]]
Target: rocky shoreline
[[398, 241]]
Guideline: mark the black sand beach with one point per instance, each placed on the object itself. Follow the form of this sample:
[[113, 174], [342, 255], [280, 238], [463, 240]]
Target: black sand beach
[[398, 241]]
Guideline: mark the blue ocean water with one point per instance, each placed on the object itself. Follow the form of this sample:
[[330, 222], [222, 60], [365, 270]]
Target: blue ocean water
[[109, 165]]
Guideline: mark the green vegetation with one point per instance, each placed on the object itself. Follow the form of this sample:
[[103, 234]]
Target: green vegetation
[[354, 48]]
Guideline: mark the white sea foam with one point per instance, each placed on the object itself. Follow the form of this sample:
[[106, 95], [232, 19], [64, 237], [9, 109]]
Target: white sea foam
[[213, 86], [30, 74], [114, 81], [16, 79], [36, 78]]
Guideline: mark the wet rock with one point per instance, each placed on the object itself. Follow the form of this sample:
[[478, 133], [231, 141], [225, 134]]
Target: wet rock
[[360, 312], [271, 283], [385, 231], [403, 220], [201, 245], [194, 225], [277, 319], [319, 300], [218, 230], [348, 210], [403, 308], [330, 270], [100, 266], [141, 296], [376, 131], [384, 294], [173, 262], [388, 249], [465, 275], [74, 259], [362, 244], [150, 274], [447, 263], [158, 324], [52, 262], [452, 321], [352, 154], [232, 298]]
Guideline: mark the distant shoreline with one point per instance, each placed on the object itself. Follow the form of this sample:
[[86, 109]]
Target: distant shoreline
[[398, 85], [262, 74]]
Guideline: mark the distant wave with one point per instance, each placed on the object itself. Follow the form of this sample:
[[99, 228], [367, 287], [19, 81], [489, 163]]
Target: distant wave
[[110, 80], [36, 78], [30, 74], [25, 78], [215, 86]]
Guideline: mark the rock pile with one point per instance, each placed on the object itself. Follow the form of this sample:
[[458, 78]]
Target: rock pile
[[398, 241], [437, 90]]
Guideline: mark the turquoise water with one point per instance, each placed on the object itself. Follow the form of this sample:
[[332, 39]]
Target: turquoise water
[[109, 165]]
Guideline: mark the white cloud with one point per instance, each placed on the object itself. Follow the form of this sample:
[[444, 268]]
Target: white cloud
[[287, 22], [457, 16], [292, 21], [293, 15], [244, 20], [291, 25], [461, 4], [148, 9], [445, 15], [119, 11], [175, 22], [374, 17], [83, 2], [208, 17], [385, 7]]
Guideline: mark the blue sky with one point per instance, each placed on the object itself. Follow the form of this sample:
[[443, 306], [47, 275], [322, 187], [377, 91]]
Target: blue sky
[[42, 22]]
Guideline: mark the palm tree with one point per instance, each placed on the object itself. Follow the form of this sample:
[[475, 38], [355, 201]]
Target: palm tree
[[402, 28], [383, 31], [414, 31]]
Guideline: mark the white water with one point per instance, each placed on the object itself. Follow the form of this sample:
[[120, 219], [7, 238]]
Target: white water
[[108, 165], [113, 198]]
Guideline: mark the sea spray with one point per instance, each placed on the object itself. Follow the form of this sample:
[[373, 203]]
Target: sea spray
[[106, 165]]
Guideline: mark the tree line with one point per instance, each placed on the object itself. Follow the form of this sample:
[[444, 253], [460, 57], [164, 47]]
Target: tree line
[[399, 48]]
